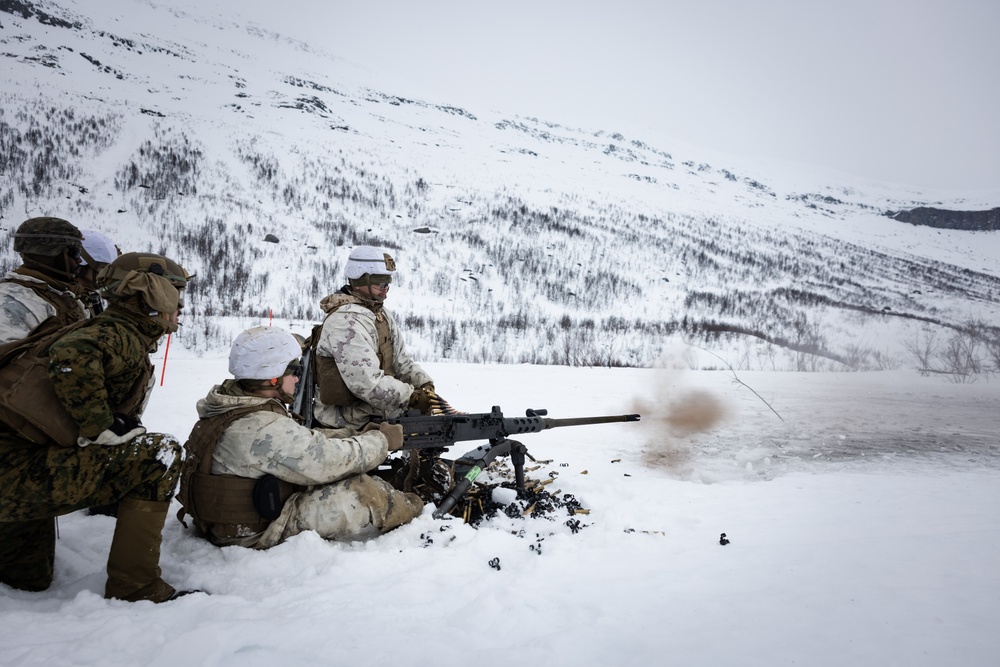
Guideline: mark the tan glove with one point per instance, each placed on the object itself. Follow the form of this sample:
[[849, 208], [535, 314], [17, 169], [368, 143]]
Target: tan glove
[[393, 434]]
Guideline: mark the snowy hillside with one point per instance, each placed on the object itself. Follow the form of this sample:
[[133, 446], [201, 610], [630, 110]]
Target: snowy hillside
[[751, 518], [519, 239]]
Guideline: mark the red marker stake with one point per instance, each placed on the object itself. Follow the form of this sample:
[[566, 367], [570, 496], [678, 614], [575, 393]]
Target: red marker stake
[[166, 351]]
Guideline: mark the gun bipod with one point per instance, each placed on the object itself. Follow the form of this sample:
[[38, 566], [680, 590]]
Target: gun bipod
[[473, 468]]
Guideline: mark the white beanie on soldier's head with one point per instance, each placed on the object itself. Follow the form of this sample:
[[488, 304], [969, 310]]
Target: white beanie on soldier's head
[[99, 246], [368, 259], [262, 353]]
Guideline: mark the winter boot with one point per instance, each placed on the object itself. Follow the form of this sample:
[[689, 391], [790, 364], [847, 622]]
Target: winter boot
[[27, 554], [134, 561]]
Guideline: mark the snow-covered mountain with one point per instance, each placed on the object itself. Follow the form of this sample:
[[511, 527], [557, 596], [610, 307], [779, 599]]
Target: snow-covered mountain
[[256, 160]]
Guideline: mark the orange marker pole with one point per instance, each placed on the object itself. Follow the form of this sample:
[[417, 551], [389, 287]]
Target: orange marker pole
[[166, 351]]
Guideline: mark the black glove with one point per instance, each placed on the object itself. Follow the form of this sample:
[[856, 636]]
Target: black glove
[[123, 424]]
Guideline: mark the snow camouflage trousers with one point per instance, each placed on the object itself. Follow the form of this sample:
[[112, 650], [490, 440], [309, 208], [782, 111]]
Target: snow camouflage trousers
[[359, 507]]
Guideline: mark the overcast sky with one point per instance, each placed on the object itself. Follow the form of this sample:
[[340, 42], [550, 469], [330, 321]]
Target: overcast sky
[[904, 91]]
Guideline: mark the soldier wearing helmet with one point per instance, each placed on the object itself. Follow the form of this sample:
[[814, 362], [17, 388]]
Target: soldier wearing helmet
[[363, 368], [253, 476], [99, 372], [148, 284], [98, 251], [39, 294], [38, 297]]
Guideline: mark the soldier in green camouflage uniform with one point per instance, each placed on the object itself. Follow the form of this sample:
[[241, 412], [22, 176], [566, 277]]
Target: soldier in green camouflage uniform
[[100, 373]]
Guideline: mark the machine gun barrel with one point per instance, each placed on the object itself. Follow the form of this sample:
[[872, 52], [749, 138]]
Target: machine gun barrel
[[442, 431], [584, 421]]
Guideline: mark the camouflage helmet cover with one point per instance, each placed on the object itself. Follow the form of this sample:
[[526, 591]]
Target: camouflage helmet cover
[[368, 264], [98, 249], [263, 352], [143, 262], [46, 236], [156, 278]]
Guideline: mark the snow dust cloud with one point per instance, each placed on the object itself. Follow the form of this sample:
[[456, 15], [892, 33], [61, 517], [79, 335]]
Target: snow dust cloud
[[672, 415]]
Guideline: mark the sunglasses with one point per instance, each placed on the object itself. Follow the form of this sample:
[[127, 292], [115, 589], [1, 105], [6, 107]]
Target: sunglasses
[[74, 251], [294, 368]]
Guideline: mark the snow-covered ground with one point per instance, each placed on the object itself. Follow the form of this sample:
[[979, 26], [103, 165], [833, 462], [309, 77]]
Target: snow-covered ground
[[863, 530]]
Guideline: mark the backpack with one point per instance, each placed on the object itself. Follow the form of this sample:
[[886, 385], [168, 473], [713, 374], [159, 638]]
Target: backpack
[[28, 402]]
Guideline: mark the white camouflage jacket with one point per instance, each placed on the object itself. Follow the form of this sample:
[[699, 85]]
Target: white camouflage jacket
[[349, 337], [266, 442], [21, 309]]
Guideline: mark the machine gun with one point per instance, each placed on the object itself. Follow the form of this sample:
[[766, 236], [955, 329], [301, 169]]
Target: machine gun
[[443, 431]]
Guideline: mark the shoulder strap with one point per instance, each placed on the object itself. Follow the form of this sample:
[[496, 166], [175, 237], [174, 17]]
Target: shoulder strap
[[68, 308], [39, 340]]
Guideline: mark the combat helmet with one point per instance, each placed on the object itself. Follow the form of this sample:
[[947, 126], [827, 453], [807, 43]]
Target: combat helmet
[[367, 265], [50, 246], [262, 353], [46, 237], [98, 249], [145, 281]]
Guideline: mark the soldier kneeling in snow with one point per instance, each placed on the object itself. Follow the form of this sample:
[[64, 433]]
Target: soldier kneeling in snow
[[253, 476], [70, 437]]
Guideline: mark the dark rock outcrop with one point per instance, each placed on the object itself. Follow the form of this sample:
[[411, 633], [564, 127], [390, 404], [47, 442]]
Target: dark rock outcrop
[[945, 219]]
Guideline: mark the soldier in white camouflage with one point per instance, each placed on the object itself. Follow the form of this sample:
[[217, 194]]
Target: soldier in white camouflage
[[253, 476], [40, 292], [100, 375], [98, 251], [39, 295], [363, 367], [365, 372]]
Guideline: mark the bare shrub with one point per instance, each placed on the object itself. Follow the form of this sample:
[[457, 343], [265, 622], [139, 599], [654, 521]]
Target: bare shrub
[[960, 357], [923, 347], [856, 357], [884, 361]]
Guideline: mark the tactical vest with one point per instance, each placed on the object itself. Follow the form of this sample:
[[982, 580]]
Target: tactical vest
[[29, 405], [222, 505], [332, 388], [68, 308]]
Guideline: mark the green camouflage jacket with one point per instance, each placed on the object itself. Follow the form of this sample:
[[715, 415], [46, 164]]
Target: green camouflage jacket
[[97, 367]]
